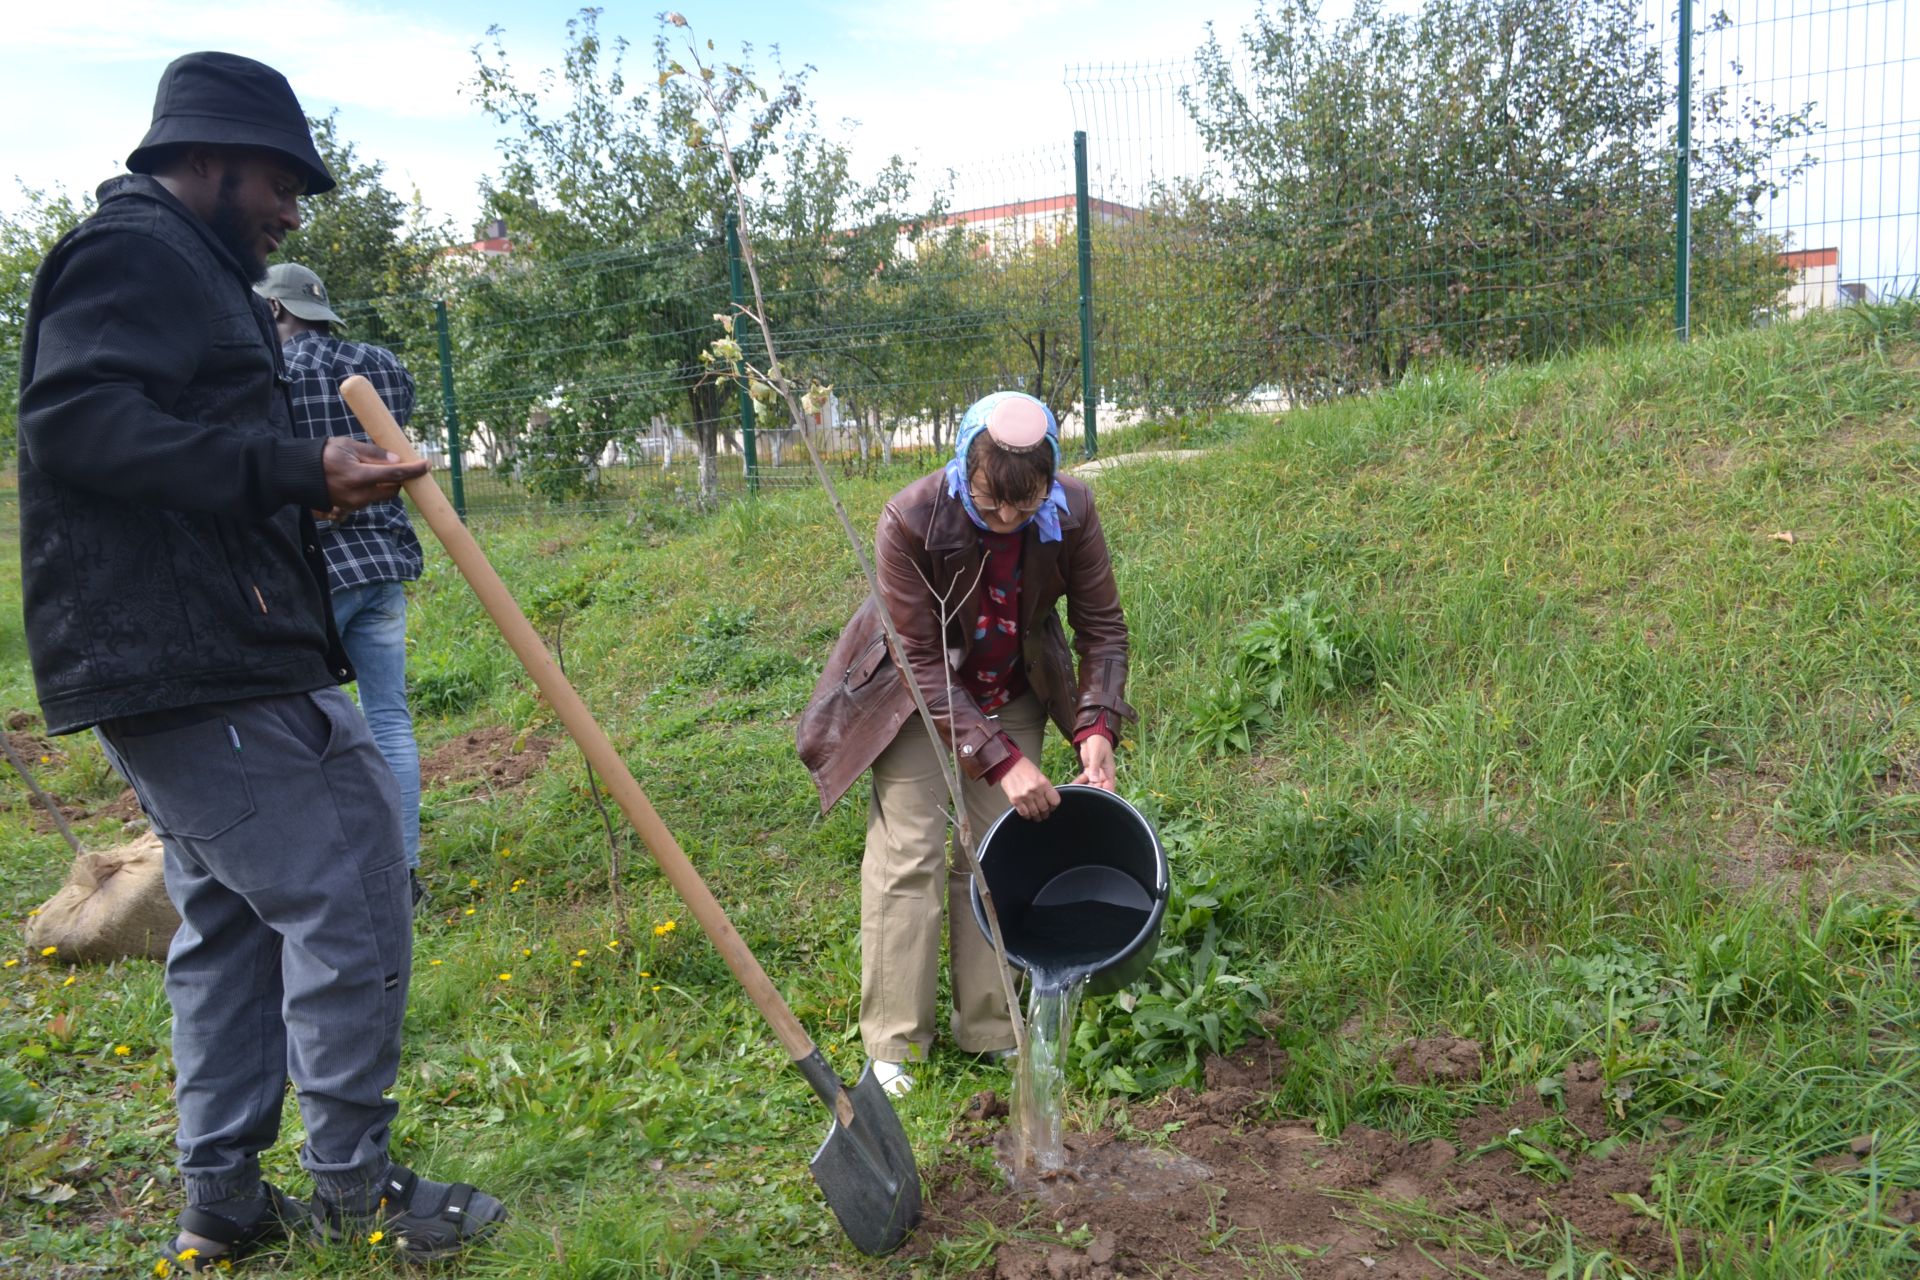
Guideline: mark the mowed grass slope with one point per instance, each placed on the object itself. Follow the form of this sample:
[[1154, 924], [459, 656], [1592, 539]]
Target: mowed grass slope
[[1544, 735]]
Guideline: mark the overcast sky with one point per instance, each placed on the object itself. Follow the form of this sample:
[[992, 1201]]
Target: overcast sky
[[943, 82]]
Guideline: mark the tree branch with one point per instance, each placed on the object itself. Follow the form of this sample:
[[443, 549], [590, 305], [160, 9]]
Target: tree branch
[[783, 386]]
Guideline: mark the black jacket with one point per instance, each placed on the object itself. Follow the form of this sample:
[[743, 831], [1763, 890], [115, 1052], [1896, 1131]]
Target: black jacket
[[167, 551]]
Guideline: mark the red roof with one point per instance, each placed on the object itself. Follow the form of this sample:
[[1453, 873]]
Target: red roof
[[1801, 259], [1047, 204], [491, 246]]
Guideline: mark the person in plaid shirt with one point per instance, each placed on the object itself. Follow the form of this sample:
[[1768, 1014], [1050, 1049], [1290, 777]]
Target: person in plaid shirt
[[373, 551]]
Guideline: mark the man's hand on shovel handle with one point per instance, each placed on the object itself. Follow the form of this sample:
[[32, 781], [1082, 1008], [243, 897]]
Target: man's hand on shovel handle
[[359, 473]]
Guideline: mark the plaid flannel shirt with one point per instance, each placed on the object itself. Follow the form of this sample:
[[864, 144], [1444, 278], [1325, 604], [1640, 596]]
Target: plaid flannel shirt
[[376, 543]]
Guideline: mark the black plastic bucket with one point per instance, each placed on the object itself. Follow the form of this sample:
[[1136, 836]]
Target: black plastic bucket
[[1080, 894]]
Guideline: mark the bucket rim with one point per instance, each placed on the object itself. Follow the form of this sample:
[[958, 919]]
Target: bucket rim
[[1162, 874], [1160, 890]]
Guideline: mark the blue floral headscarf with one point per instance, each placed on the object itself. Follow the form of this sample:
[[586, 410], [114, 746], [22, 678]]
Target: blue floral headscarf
[[1047, 519]]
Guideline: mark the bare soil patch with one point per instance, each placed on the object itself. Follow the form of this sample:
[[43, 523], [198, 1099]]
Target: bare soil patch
[[1229, 1195], [34, 751], [1437, 1060], [1751, 849], [42, 756], [123, 808], [497, 756]]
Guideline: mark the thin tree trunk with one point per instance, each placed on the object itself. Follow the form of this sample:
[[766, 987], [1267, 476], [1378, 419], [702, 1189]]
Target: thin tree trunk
[[709, 465]]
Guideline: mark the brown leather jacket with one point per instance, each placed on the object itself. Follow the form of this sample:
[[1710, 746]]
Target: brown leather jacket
[[926, 537]]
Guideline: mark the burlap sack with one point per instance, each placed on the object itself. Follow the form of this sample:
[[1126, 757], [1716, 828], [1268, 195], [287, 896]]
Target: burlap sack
[[113, 905]]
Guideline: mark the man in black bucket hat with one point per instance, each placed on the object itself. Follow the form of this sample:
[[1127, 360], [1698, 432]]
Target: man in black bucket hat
[[176, 601], [223, 99]]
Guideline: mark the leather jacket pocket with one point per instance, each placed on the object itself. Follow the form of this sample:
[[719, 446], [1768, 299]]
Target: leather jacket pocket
[[862, 670]]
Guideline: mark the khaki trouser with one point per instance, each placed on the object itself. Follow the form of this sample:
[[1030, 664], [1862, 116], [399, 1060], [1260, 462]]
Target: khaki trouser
[[905, 888]]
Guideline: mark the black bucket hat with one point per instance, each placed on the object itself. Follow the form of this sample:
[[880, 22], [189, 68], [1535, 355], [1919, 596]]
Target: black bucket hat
[[223, 99]]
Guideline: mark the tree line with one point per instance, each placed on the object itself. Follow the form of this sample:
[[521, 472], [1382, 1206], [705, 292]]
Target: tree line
[[1477, 180]]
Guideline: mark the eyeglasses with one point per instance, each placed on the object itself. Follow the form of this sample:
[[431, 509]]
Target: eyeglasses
[[985, 503]]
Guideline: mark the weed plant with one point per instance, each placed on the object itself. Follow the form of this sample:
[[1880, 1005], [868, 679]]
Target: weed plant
[[1496, 704]]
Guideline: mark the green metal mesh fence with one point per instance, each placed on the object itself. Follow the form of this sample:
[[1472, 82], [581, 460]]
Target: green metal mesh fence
[[1846, 208], [1303, 209]]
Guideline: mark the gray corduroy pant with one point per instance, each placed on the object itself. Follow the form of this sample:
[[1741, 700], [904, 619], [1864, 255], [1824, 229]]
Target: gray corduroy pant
[[281, 825]]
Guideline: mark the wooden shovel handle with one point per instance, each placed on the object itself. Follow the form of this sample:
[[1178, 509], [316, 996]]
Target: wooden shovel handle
[[447, 526]]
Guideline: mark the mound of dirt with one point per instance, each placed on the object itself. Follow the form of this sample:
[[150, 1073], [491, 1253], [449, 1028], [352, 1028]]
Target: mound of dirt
[[123, 808], [1231, 1198], [496, 755], [34, 751], [1437, 1060]]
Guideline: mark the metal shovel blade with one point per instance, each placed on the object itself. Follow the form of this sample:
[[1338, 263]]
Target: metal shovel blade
[[866, 1171]]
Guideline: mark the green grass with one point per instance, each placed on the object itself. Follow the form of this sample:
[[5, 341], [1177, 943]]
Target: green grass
[[1567, 753]]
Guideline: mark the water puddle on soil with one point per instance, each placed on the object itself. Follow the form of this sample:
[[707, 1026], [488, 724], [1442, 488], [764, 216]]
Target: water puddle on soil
[[1100, 1167]]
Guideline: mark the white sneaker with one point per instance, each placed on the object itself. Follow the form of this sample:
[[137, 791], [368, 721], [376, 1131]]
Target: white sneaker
[[893, 1078]]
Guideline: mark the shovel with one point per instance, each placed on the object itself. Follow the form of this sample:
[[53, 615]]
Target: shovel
[[865, 1165]]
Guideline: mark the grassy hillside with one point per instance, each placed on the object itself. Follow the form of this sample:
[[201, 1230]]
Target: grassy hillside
[[1500, 706]]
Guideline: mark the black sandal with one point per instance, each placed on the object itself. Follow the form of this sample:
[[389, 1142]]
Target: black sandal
[[422, 1219], [227, 1229]]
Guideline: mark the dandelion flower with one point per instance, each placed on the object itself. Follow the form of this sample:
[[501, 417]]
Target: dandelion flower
[[376, 1237], [656, 986], [186, 1255], [435, 963], [163, 1268], [469, 910], [576, 964], [473, 882], [526, 951], [505, 977], [47, 951], [613, 944], [11, 963], [506, 853], [71, 979], [645, 974], [582, 951], [122, 1050], [46, 759]]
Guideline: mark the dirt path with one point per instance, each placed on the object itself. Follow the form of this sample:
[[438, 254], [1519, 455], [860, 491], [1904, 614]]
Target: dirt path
[[1123, 459]]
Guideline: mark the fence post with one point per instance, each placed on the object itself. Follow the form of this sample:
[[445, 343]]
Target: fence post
[[1682, 195], [737, 291], [451, 406], [1084, 232]]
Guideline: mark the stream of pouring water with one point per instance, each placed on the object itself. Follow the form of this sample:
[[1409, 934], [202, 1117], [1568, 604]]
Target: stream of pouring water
[[1065, 941], [1040, 1080]]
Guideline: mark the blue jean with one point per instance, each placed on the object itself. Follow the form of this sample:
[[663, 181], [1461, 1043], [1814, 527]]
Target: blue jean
[[373, 626], [282, 836]]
